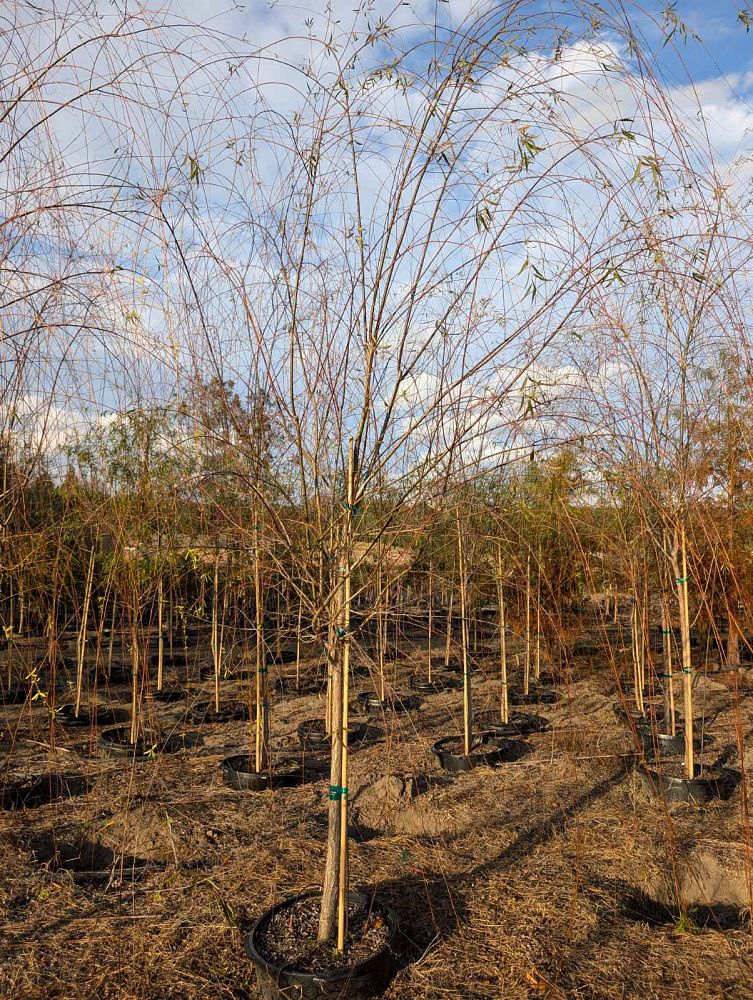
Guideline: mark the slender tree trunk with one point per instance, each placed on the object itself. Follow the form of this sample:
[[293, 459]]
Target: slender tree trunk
[[334, 910]]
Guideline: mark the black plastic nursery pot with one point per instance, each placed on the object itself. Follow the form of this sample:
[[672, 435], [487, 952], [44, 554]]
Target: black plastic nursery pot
[[119, 674], [485, 749], [535, 696], [374, 705], [307, 684], [176, 742], [312, 734], [653, 708], [203, 713], [360, 670], [170, 695], [518, 724], [14, 695], [661, 745], [239, 772], [666, 781], [278, 977], [438, 683], [117, 743], [438, 663], [284, 656], [168, 661], [546, 680], [88, 718], [42, 789]]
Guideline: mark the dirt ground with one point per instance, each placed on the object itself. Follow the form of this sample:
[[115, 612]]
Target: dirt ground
[[553, 876]]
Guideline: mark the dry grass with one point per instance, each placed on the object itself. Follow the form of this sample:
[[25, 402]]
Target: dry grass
[[514, 882]]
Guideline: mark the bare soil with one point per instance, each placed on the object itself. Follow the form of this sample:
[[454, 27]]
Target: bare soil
[[290, 937]]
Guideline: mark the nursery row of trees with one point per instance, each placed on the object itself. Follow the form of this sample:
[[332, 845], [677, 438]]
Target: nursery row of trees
[[154, 497], [381, 312]]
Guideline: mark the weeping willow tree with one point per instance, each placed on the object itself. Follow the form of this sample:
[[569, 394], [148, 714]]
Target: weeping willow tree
[[403, 244]]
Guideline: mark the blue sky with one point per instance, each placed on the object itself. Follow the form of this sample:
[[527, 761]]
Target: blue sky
[[725, 47], [146, 310]]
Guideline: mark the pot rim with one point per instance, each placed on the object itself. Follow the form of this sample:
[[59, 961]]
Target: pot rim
[[337, 975]]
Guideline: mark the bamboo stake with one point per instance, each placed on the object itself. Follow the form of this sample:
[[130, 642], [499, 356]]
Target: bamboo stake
[[342, 906], [215, 633], [527, 662], [134, 675], [262, 720], [467, 704], [637, 684], [298, 645], [278, 623], [431, 610], [381, 623], [160, 633], [112, 636], [81, 644], [170, 620], [669, 694], [448, 642], [502, 639], [537, 661], [223, 619], [682, 596]]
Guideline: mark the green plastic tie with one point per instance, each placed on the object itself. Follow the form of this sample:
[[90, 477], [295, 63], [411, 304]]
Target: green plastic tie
[[681, 579], [337, 792], [666, 631], [342, 632], [687, 670]]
